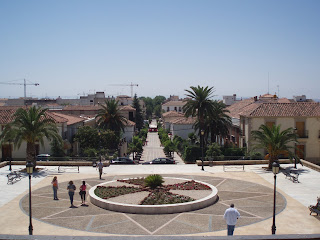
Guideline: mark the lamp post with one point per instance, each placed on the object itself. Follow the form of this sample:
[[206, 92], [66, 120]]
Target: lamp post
[[202, 134], [275, 170], [29, 168]]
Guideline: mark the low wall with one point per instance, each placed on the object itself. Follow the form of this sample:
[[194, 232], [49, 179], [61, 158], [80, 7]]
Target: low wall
[[54, 163], [311, 165], [237, 162]]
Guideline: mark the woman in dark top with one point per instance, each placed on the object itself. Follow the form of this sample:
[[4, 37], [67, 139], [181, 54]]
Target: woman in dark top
[[83, 192], [71, 188]]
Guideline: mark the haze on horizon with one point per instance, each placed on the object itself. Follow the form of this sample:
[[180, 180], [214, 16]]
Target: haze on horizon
[[78, 47]]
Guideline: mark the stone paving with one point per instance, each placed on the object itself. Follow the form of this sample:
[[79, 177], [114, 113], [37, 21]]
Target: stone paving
[[254, 202]]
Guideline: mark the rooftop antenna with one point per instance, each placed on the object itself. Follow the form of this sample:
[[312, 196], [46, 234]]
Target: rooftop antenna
[[268, 82]]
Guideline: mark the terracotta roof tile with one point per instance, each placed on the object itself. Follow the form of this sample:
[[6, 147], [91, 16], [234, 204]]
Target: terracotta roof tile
[[7, 112], [70, 119], [126, 108], [184, 121], [174, 103], [303, 109], [172, 114]]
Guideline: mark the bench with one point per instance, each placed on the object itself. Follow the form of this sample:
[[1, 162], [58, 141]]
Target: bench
[[235, 167], [13, 176], [67, 167], [315, 210], [290, 175]]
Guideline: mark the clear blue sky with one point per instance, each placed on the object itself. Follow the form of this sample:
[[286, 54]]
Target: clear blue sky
[[74, 47]]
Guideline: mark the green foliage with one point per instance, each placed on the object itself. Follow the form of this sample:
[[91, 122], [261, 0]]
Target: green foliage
[[90, 152], [139, 116], [163, 135], [136, 145], [169, 146], [30, 125], [153, 106], [57, 148], [275, 141], [191, 154], [143, 132], [154, 181], [235, 151], [109, 117], [214, 150], [101, 140], [256, 156], [192, 138]]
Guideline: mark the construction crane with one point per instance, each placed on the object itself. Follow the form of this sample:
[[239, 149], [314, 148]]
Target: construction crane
[[131, 85], [24, 84]]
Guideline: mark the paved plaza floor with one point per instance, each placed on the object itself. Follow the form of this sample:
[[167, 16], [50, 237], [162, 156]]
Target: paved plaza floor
[[251, 190]]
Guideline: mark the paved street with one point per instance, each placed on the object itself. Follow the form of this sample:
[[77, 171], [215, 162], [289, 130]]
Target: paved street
[[250, 190]]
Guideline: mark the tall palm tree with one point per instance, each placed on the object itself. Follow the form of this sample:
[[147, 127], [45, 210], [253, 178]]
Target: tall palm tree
[[109, 117], [199, 105], [30, 125], [219, 122], [275, 141]]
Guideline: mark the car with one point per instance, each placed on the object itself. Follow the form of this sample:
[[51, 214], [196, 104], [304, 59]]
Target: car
[[160, 161], [43, 157], [122, 160]]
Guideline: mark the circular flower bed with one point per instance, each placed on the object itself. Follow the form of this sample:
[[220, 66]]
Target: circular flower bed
[[168, 198], [157, 196]]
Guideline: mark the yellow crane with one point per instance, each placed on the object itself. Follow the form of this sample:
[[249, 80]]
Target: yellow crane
[[24, 84]]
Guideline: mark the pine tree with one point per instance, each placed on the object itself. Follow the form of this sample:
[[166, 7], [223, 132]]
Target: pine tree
[[139, 117]]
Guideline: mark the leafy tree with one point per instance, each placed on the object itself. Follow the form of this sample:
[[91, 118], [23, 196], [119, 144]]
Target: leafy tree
[[109, 117], [169, 146], [139, 117], [149, 106], [93, 138], [57, 148], [275, 141], [157, 111], [214, 150], [158, 100], [30, 125]]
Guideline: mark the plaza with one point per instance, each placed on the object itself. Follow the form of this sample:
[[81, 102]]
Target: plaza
[[251, 190]]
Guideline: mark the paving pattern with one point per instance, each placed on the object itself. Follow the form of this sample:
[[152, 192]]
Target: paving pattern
[[254, 202]]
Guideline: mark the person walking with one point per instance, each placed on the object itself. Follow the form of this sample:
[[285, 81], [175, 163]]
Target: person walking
[[71, 188], [231, 216], [100, 167], [55, 188], [83, 192]]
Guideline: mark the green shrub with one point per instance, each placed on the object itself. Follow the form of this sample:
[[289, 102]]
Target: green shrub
[[233, 151], [192, 153], [153, 181], [256, 156], [90, 152]]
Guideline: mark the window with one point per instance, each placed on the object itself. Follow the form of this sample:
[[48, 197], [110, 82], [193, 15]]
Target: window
[[175, 108], [168, 109], [300, 126], [270, 124], [179, 109]]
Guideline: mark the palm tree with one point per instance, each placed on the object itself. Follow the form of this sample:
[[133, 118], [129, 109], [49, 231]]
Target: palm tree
[[199, 105], [30, 125], [219, 122], [275, 141], [109, 117]]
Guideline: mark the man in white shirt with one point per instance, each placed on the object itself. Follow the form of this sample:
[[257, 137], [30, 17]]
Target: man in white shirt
[[231, 215], [100, 167]]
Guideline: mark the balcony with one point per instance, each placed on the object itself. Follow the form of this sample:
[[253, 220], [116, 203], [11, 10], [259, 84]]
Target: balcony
[[303, 134]]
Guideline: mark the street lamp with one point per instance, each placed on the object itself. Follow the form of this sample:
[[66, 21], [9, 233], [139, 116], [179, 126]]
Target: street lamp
[[275, 170], [202, 134], [29, 168]]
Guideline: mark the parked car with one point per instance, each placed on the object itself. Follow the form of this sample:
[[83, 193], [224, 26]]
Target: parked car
[[122, 160], [43, 157], [161, 161]]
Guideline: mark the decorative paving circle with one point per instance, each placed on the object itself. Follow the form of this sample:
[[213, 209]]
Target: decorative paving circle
[[127, 203], [254, 202]]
